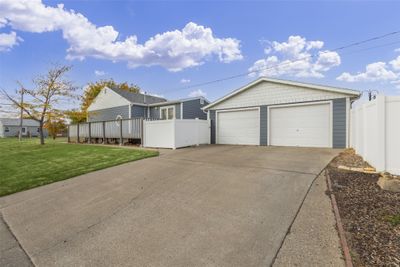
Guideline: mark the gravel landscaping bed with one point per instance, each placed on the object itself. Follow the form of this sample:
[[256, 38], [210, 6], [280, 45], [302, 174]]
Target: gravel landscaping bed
[[370, 215]]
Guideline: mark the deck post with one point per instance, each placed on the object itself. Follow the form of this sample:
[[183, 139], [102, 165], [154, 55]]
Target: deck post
[[77, 133], [90, 132], [120, 132], [68, 135], [104, 132]]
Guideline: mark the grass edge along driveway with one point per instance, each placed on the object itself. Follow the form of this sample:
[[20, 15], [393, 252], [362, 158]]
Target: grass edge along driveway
[[27, 164]]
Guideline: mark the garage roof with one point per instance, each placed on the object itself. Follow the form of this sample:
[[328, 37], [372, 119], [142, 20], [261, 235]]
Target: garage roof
[[349, 92]]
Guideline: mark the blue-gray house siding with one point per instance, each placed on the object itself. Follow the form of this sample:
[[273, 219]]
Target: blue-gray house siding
[[339, 125], [138, 111], [192, 109], [108, 114]]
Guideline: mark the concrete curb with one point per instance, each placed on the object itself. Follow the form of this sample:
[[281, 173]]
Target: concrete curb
[[342, 236]]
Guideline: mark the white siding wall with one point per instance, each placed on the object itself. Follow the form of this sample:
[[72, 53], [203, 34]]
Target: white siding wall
[[107, 98], [375, 131], [268, 93]]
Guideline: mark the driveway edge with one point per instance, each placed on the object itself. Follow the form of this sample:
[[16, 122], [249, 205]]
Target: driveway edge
[[15, 254], [295, 217], [342, 236]]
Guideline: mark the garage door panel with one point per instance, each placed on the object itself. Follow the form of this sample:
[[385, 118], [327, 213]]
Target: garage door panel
[[305, 125], [238, 127]]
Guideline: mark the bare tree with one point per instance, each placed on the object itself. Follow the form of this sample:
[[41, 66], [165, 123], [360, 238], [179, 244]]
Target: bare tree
[[49, 90]]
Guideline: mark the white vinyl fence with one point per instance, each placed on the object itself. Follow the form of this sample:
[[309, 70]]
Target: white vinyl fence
[[175, 133], [375, 132]]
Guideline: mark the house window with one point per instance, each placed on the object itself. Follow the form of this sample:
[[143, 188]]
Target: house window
[[167, 113], [38, 130], [6, 129], [23, 130], [201, 101]]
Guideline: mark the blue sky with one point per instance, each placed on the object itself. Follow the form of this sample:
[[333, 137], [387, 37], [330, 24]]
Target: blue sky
[[245, 36]]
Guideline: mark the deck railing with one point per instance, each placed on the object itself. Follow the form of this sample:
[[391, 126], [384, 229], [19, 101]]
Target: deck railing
[[104, 131]]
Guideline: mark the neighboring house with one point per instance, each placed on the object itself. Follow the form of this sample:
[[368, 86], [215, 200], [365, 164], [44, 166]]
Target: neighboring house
[[282, 113], [10, 127], [113, 104]]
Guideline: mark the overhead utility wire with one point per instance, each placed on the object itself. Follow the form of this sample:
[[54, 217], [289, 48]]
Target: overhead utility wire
[[286, 63]]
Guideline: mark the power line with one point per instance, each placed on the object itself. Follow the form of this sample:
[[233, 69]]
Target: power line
[[292, 61]]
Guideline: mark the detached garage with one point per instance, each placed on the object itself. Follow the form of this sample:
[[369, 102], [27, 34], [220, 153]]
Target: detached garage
[[282, 113]]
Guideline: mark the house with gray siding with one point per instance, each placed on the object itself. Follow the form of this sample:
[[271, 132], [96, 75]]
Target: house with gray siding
[[282, 113], [10, 127], [114, 104]]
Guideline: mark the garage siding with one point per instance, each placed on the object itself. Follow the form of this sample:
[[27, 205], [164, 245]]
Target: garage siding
[[263, 125], [338, 127], [212, 119], [339, 123]]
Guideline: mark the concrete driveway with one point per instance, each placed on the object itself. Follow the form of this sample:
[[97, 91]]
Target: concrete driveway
[[205, 206]]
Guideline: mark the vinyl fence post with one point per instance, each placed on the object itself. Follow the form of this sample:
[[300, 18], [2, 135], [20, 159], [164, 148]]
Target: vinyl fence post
[[104, 132], [68, 135], [141, 132], [90, 132], [77, 133], [120, 132]]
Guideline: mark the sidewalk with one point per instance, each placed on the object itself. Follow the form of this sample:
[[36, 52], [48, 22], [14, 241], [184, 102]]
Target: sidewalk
[[11, 254], [313, 239]]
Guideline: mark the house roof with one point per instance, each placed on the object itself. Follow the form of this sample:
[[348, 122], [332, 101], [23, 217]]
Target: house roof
[[16, 121], [349, 92], [138, 98]]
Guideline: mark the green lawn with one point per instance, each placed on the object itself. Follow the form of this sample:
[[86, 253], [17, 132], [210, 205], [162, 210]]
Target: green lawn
[[27, 164]]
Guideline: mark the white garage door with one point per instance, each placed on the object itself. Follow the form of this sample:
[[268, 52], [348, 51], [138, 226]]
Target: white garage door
[[238, 127], [304, 125]]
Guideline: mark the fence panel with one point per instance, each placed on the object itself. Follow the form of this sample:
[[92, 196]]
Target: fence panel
[[113, 129], [175, 133], [73, 131], [96, 129], [375, 131], [83, 130]]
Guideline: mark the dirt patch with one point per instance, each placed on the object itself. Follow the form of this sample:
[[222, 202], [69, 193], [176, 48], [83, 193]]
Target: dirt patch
[[369, 214]]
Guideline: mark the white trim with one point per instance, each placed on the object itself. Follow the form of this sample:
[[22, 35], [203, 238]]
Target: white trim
[[167, 107], [330, 102], [233, 110], [181, 110], [351, 92]]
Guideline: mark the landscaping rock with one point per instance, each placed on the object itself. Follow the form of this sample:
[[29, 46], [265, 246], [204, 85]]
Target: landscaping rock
[[370, 215], [389, 182]]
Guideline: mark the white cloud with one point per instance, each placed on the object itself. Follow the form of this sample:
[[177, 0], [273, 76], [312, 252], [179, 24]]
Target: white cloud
[[8, 40], [197, 92], [173, 50], [378, 71], [395, 63], [185, 81], [296, 57], [397, 50], [99, 73]]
